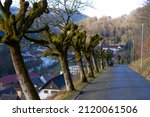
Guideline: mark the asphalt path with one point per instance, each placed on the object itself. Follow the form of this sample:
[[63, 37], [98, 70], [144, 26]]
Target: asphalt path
[[117, 83]]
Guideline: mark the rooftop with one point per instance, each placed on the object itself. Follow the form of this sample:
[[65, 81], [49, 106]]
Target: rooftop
[[9, 97], [8, 91], [58, 81], [13, 78]]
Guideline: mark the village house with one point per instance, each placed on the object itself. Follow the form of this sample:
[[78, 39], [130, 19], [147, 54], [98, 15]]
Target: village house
[[47, 87], [114, 48], [9, 94], [52, 87], [9, 97], [11, 81], [74, 70]]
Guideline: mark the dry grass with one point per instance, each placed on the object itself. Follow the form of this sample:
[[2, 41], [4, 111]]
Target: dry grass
[[145, 71]]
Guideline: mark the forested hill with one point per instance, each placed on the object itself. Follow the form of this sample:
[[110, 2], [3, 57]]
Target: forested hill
[[126, 29]]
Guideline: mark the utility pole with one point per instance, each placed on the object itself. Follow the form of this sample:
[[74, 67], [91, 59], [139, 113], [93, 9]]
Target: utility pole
[[142, 40], [133, 56]]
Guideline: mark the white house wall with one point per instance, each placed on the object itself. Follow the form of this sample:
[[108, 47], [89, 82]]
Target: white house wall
[[45, 93]]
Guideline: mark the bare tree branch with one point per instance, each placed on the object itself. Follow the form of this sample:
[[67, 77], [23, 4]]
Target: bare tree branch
[[35, 12], [38, 30], [6, 8], [20, 18], [1, 23], [7, 5], [37, 41], [64, 10]]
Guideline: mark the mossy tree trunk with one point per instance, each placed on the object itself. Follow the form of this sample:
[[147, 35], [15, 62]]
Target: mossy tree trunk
[[66, 72], [80, 66], [23, 77], [89, 66], [15, 27], [102, 56], [102, 63], [94, 63]]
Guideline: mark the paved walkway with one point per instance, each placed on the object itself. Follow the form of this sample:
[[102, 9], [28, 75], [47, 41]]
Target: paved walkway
[[118, 83]]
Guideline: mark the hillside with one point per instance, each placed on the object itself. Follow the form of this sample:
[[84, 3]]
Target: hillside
[[145, 71]]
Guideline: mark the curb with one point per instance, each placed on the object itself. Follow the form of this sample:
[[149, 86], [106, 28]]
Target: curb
[[81, 92]]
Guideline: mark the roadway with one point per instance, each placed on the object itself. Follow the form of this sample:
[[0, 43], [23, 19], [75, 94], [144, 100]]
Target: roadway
[[117, 83]]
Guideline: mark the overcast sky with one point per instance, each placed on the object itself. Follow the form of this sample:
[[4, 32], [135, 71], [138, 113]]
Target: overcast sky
[[113, 8]]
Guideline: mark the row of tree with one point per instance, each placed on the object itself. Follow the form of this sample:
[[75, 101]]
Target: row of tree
[[59, 44], [27, 22]]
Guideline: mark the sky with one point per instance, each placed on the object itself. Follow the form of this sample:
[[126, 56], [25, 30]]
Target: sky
[[113, 8]]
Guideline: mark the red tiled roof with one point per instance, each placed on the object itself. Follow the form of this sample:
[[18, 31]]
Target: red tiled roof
[[13, 78]]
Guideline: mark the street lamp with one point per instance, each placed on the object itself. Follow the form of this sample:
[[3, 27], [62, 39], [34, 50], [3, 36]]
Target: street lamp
[[142, 39]]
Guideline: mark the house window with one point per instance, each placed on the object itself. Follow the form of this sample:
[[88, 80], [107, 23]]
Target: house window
[[45, 91], [54, 91]]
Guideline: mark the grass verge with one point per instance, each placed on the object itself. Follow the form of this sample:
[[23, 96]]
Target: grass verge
[[63, 95], [145, 70]]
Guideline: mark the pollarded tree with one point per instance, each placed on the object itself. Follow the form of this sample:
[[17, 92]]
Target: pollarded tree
[[108, 56], [96, 40], [14, 28], [88, 49], [77, 45], [101, 55], [87, 56], [58, 45], [62, 12]]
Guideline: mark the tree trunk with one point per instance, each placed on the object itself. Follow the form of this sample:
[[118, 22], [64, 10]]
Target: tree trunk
[[89, 67], [102, 63], [107, 61], [80, 67], [95, 64], [26, 84], [66, 72]]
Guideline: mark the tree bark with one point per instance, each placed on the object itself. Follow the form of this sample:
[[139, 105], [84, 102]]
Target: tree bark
[[26, 84], [95, 64], [102, 63], [89, 67], [66, 72], [80, 67]]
